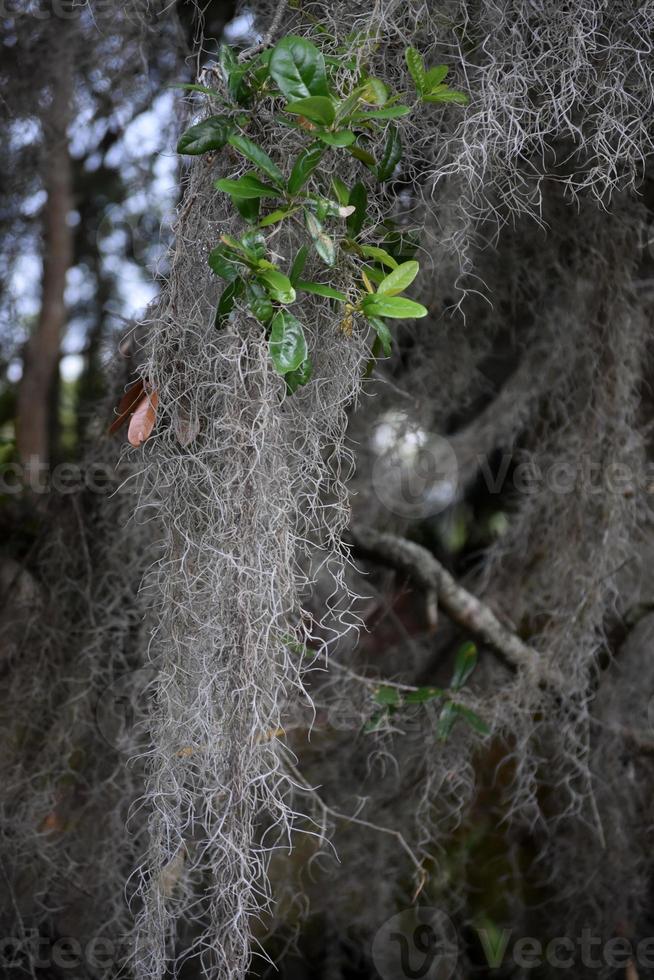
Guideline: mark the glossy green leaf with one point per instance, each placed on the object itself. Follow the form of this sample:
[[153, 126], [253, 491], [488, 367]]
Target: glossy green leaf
[[435, 76], [323, 244], [359, 153], [373, 91], [443, 93], [383, 334], [299, 263], [248, 208], [234, 73], [375, 275], [304, 166], [317, 108], [416, 68], [446, 721], [391, 156], [278, 285], [399, 279], [389, 112], [380, 254], [276, 216], [192, 87], [359, 199], [472, 718], [253, 244], [258, 157], [396, 307], [320, 289], [387, 695], [341, 191], [298, 68], [423, 694], [246, 187], [295, 379], [464, 664], [343, 137], [287, 345], [221, 265], [210, 134], [227, 300], [259, 301]]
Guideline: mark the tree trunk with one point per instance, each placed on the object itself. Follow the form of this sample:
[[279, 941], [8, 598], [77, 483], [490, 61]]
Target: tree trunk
[[41, 360]]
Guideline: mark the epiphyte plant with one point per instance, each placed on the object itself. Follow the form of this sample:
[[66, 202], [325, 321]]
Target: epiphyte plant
[[333, 221]]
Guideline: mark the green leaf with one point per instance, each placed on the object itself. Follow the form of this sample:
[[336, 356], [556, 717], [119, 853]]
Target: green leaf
[[210, 134], [253, 244], [304, 166], [380, 254], [248, 208], [360, 154], [323, 244], [234, 74], [279, 286], [375, 275], [246, 187], [258, 157], [341, 191], [416, 68], [395, 307], [399, 279], [472, 718], [383, 334], [373, 91], [295, 379], [391, 156], [192, 87], [464, 664], [446, 721], [387, 695], [222, 265], [276, 216], [435, 76], [318, 108], [389, 112], [320, 290], [298, 68], [258, 301], [227, 300], [423, 694], [343, 137], [359, 199], [288, 346], [443, 93], [299, 263]]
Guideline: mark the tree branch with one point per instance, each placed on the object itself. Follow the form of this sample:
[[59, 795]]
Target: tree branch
[[459, 604]]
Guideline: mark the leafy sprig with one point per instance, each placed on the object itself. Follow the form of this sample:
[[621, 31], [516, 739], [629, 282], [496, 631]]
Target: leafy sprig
[[390, 699], [334, 218]]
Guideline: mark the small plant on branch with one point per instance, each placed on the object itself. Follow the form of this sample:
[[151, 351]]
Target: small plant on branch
[[333, 219]]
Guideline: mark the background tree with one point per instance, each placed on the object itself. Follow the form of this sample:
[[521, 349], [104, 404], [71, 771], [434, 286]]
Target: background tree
[[483, 747]]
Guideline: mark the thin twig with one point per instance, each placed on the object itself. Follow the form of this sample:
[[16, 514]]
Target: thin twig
[[337, 815], [268, 37]]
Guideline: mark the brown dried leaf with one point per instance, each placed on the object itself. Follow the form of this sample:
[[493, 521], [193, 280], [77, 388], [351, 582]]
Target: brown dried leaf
[[143, 420], [127, 404]]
